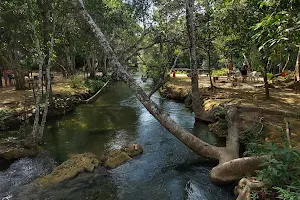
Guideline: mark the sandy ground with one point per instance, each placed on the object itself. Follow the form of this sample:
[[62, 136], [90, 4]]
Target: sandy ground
[[10, 99], [251, 94]]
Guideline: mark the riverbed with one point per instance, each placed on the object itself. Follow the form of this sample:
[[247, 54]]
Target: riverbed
[[166, 170]]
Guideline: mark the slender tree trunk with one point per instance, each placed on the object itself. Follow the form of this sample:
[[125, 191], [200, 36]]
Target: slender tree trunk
[[1, 75], [286, 63], [35, 128], [48, 93], [196, 97], [265, 63], [297, 67], [209, 68]]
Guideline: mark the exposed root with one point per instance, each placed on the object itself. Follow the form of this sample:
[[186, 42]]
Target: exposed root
[[245, 187], [235, 169]]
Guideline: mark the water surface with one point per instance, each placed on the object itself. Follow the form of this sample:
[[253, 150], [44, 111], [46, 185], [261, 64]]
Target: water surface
[[166, 170]]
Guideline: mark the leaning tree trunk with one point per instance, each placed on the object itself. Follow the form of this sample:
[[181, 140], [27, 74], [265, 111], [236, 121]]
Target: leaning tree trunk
[[227, 156], [297, 67], [196, 97]]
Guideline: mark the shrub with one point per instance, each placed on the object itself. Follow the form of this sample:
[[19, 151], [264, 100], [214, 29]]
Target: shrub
[[220, 72], [94, 84], [76, 81], [281, 172]]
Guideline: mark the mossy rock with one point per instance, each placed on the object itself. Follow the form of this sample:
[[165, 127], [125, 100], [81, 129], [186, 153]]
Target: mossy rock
[[15, 148], [116, 158], [119, 157], [133, 150], [76, 164]]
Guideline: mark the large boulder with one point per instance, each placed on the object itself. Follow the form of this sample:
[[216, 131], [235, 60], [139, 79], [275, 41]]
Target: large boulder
[[76, 164]]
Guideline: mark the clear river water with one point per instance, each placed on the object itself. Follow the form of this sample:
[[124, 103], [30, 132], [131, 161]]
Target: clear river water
[[166, 170]]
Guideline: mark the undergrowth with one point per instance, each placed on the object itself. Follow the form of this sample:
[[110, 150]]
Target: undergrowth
[[281, 171]]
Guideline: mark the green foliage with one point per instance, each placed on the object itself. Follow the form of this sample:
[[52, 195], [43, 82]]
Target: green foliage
[[281, 171], [76, 81], [94, 84], [220, 72], [269, 75]]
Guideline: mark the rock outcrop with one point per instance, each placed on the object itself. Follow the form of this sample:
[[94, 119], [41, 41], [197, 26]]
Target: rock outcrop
[[76, 164], [119, 157]]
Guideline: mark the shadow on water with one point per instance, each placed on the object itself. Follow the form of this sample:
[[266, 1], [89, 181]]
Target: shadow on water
[[166, 170]]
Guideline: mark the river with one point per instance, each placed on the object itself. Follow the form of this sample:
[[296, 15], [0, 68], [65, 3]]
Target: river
[[166, 170]]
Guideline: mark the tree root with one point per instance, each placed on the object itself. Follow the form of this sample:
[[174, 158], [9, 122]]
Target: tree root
[[234, 169], [245, 187]]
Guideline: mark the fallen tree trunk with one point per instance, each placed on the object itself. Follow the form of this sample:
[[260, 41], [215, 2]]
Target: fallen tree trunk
[[97, 95], [229, 165]]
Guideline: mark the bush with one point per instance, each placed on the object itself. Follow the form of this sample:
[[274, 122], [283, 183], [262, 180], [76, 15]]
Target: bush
[[220, 72], [281, 172], [269, 75], [76, 81]]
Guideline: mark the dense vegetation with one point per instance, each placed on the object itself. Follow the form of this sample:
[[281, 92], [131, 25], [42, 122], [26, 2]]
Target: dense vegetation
[[155, 37]]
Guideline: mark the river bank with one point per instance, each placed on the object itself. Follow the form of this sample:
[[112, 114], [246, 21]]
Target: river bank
[[166, 170], [251, 95], [16, 107]]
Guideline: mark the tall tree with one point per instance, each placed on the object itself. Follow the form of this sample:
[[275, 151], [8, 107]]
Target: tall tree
[[196, 97]]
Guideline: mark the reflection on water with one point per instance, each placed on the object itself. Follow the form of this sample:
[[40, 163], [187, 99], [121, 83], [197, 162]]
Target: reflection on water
[[166, 170]]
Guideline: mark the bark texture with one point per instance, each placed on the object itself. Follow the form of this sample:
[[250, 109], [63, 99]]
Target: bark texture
[[297, 67]]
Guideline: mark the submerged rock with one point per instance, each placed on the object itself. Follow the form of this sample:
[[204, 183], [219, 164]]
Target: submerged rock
[[115, 158], [133, 150], [76, 164], [11, 149], [119, 157]]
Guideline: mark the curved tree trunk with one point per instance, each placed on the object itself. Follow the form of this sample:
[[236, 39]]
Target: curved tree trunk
[[97, 95], [229, 165]]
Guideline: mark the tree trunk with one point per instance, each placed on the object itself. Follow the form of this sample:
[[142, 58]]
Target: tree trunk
[[209, 69], [196, 97], [297, 67], [48, 94], [286, 63], [20, 80], [223, 154], [265, 63]]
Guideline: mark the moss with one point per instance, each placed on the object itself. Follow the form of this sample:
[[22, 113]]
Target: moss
[[15, 148], [133, 150], [116, 158], [69, 169]]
